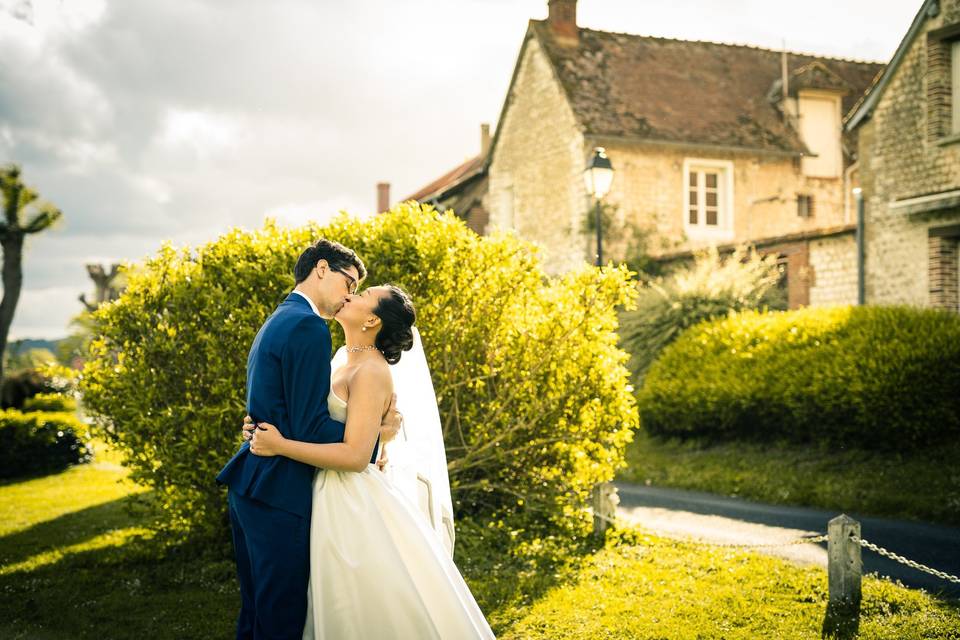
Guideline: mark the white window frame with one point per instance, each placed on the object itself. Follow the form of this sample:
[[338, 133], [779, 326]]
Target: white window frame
[[725, 214]]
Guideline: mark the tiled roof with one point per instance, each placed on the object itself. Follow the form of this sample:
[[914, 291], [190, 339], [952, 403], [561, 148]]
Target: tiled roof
[[683, 91], [449, 180]]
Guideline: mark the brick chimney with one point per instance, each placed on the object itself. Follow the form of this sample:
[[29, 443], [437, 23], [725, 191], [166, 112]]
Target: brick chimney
[[383, 196], [562, 20], [484, 139]]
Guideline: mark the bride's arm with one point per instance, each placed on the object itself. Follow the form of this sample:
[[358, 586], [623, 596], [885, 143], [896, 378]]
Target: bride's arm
[[369, 391]]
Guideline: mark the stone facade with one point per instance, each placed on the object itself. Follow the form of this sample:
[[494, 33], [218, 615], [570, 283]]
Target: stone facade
[[650, 183], [910, 171], [536, 187], [833, 264], [538, 163]]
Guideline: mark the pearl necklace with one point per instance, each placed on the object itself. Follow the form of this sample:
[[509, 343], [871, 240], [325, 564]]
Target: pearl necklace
[[368, 347]]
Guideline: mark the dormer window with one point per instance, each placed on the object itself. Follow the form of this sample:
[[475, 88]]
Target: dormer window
[[819, 116]]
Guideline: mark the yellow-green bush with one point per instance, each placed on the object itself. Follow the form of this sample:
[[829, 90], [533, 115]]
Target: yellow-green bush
[[870, 377], [710, 287], [40, 442], [532, 388], [50, 402]]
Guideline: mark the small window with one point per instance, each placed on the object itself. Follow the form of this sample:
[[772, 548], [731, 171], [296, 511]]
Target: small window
[[703, 204], [804, 205], [707, 211]]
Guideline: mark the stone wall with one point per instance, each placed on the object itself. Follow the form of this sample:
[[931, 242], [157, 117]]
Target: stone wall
[[833, 266], [536, 183], [902, 158], [649, 186], [536, 187]]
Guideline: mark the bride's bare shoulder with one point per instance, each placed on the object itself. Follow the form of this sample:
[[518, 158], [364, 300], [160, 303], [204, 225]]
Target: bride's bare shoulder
[[375, 371]]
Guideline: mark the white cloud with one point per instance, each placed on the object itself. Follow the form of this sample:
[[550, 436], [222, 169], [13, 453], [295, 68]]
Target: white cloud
[[145, 121], [204, 133], [297, 214], [45, 313]]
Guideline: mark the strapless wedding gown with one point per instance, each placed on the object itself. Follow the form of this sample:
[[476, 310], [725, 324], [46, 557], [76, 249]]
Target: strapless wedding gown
[[377, 569]]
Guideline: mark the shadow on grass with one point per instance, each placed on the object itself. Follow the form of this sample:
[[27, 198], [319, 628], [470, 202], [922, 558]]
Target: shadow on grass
[[72, 528], [841, 622], [38, 474], [506, 578], [142, 588]]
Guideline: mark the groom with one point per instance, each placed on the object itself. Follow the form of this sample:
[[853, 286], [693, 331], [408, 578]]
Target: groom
[[288, 380]]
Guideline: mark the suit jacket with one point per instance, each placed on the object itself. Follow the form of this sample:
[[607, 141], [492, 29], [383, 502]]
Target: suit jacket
[[288, 380]]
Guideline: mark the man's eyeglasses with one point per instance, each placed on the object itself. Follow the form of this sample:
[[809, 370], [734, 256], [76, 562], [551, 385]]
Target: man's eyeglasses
[[352, 283]]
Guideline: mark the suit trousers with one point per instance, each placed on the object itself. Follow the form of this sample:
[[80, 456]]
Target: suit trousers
[[272, 547]]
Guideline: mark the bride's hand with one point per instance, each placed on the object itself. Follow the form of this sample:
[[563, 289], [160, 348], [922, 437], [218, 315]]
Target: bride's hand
[[267, 440]]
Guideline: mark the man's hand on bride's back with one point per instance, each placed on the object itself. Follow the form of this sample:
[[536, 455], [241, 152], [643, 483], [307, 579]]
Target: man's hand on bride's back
[[390, 425], [247, 428]]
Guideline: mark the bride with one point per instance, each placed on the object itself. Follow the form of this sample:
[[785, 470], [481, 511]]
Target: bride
[[378, 569]]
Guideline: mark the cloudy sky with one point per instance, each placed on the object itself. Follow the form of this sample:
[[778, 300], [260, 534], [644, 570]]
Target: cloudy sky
[[147, 121]]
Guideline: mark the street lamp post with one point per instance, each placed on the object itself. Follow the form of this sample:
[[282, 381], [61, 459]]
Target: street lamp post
[[598, 176]]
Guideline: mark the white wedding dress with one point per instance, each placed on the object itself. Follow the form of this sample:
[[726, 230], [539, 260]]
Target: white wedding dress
[[377, 568]]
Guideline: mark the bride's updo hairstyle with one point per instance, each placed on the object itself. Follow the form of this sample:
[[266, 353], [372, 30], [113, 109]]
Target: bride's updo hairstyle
[[397, 314]]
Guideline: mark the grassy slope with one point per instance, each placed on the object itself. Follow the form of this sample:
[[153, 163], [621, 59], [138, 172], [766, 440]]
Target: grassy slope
[[74, 565], [655, 588], [920, 486]]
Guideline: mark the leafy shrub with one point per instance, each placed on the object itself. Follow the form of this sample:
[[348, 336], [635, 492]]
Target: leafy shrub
[[872, 377], [51, 402], [40, 442], [531, 384], [20, 385], [711, 287]]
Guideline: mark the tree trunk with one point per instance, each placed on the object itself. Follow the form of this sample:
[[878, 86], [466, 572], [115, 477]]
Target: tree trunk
[[12, 283]]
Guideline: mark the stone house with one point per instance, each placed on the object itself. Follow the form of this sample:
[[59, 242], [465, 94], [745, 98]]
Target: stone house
[[908, 127], [712, 144]]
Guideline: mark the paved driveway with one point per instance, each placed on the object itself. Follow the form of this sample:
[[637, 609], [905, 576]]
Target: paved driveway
[[717, 518]]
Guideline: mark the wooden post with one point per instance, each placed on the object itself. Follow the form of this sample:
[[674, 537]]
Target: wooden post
[[844, 568], [605, 501]]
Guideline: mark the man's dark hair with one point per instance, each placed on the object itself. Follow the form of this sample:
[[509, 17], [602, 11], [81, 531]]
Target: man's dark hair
[[337, 256]]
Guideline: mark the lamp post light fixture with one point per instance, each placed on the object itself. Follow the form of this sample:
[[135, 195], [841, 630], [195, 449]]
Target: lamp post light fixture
[[598, 176]]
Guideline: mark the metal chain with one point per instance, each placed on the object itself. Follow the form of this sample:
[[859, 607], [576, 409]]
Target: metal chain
[[813, 540], [902, 560]]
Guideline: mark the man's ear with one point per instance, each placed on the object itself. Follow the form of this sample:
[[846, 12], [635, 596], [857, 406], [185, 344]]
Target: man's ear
[[322, 264]]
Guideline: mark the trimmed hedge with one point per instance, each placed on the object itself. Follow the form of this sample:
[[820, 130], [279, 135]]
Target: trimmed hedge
[[870, 377], [40, 442], [50, 402], [710, 287]]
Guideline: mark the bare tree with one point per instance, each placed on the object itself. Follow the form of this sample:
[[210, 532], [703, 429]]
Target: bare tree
[[18, 200], [106, 283]]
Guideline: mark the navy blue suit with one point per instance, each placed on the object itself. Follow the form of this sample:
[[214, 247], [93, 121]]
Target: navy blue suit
[[288, 379]]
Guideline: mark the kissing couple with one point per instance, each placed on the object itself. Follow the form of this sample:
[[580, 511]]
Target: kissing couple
[[329, 543]]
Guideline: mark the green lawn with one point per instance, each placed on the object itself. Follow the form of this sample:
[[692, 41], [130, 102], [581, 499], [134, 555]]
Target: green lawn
[[649, 587], [74, 563], [920, 486]]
